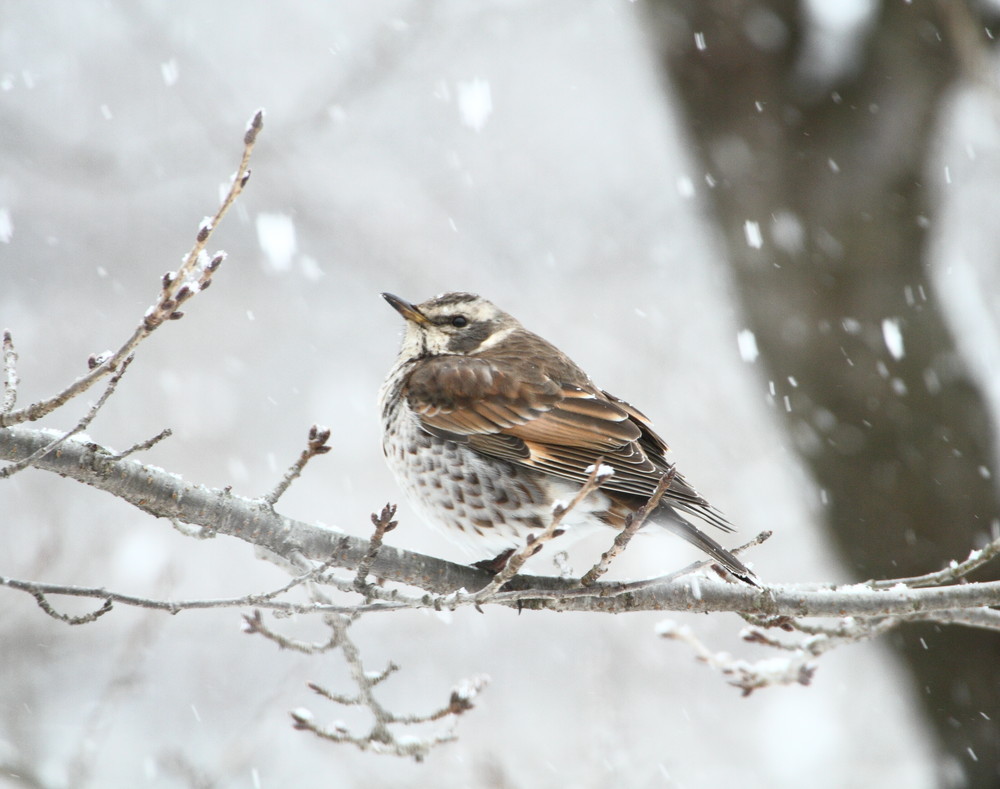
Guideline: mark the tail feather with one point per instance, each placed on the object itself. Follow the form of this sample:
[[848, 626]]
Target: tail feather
[[670, 519]]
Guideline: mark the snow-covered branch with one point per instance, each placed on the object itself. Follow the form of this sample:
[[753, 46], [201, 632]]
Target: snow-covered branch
[[166, 495]]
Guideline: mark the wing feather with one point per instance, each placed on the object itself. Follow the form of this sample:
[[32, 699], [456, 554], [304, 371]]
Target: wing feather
[[521, 414]]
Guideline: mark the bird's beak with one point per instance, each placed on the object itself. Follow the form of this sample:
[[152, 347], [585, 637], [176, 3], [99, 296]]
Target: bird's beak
[[407, 310]]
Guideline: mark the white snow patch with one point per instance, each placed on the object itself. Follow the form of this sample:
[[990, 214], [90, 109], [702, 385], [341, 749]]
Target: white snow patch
[[276, 235], [6, 226], [746, 341], [469, 688], [751, 229], [893, 336], [668, 628], [604, 471], [102, 357], [170, 72], [475, 103]]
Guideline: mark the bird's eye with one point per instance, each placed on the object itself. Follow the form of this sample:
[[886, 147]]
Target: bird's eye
[[459, 321]]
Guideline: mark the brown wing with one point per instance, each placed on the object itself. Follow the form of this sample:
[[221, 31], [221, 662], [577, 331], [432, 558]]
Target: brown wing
[[468, 395], [521, 414]]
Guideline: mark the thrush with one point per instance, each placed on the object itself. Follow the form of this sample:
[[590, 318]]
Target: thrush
[[486, 426]]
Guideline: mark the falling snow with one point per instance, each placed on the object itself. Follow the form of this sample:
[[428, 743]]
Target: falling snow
[[746, 341], [276, 236], [6, 226], [893, 336], [752, 232], [170, 72], [475, 103]]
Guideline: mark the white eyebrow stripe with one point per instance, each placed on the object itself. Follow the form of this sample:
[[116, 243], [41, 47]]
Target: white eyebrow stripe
[[496, 337]]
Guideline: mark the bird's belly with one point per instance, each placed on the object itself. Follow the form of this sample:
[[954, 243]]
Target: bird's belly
[[486, 505]]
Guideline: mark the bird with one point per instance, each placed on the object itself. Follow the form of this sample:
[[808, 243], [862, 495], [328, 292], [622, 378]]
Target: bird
[[486, 426]]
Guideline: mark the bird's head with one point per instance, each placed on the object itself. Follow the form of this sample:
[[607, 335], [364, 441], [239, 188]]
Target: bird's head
[[452, 323]]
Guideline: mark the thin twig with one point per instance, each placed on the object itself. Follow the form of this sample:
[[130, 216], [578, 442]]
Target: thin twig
[[13, 468], [318, 436], [85, 619], [194, 275], [797, 668], [634, 586], [142, 446], [633, 523], [414, 747], [383, 523], [254, 624], [936, 604], [382, 737], [950, 574], [10, 379]]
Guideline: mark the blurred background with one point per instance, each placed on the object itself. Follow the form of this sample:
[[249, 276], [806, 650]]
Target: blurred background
[[771, 226]]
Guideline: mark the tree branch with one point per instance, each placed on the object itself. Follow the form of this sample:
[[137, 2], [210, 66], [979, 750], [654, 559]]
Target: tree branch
[[13, 468], [165, 495], [10, 379], [316, 445], [194, 275]]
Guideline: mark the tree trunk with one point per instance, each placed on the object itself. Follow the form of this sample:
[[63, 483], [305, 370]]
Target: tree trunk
[[819, 189]]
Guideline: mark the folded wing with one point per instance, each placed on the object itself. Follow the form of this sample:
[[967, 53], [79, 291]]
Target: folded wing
[[527, 416]]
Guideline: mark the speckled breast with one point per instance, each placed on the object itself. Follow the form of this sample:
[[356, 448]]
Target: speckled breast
[[485, 504]]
